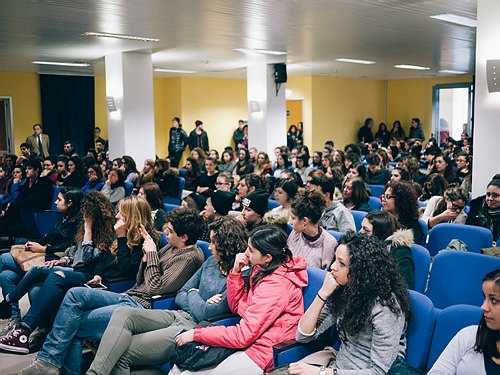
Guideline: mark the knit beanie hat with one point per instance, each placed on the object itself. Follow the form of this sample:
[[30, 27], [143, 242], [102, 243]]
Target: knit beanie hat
[[199, 200], [222, 201], [257, 201]]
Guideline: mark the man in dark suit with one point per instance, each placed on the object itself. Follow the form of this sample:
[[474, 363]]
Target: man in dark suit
[[39, 143]]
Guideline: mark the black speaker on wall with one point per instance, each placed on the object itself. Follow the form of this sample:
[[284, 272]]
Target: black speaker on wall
[[280, 73]]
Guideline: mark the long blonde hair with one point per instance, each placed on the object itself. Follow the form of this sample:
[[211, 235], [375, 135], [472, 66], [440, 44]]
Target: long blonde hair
[[136, 212]]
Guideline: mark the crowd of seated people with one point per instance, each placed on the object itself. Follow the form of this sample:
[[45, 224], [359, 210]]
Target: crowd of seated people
[[285, 209]]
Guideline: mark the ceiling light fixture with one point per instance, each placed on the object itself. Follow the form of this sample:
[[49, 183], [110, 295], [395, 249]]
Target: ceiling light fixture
[[58, 63], [446, 71], [355, 61], [453, 18], [162, 70], [121, 36], [413, 67], [259, 51]]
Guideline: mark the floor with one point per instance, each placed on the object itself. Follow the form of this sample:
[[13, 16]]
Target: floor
[[13, 363]]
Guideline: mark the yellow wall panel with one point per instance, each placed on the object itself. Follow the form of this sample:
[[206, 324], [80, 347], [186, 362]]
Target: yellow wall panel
[[340, 106], [407, 98], [294, 111], [101, 110], [24, 88]]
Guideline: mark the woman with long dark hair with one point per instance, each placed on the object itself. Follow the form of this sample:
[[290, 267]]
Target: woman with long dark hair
[[96, 179], [476, 349], [129, 168], [141, 336], [114, 188], [485, 210], [265, 319], [243, 165], [151, 192], [365, 297], [192, 175], [355, 195], [400, 199], [444, 167]]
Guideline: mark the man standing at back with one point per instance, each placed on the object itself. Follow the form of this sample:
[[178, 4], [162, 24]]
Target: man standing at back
[[365, 134], [39, 143]]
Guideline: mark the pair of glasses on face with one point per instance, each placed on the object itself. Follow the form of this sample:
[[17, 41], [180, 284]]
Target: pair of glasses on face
[[386, 197], [457, 207], [221, 183]]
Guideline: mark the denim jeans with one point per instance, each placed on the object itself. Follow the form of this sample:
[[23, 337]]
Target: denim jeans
[[84, 314], [10, 275], [55, 285]]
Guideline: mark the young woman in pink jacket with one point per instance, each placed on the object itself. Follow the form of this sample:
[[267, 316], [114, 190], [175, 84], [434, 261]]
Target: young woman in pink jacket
[[270, 307]]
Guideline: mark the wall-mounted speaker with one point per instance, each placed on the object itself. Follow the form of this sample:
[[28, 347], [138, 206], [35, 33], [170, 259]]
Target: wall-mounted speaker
[[493, 75], [280, 73]]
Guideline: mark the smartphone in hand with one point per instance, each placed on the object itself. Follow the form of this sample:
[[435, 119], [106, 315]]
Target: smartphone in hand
[[96, 286]]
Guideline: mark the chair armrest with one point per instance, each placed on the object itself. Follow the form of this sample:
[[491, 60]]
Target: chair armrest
[[222, 317], [163, 302], [292, 351]]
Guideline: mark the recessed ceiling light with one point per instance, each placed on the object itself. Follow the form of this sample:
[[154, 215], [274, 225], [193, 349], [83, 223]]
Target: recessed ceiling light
[[413, 67], [453, 18], [58, 63], [162, 70], [451, 71], [355, 61], [120, 36], [259, 51]]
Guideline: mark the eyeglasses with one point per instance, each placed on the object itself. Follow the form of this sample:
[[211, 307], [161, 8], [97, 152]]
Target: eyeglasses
[[221, 183], [386, 197], [47, 165], [493, 195], [457, 207]]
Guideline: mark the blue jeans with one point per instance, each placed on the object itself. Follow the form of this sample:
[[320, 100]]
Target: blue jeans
[[10, 275], [56, 282], [84, 314]]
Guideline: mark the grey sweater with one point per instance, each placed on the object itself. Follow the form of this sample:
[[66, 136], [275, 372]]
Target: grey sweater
[[208, 281], [337, 217], [373, 350]]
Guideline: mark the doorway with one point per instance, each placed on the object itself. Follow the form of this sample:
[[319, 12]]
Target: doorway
[[452, 110], [293, 112], [6, 125]]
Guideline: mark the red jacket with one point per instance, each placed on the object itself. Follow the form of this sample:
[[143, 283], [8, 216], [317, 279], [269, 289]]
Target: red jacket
[[270, 313]]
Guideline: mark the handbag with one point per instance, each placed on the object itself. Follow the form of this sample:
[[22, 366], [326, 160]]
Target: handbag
[[26, 259], [195, 356]]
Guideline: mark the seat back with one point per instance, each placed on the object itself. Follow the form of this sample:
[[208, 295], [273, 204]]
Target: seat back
[[272, 204], [128, 188], [180, 182], [164, 241], [358, 218], [476, 238], [376, 190], [375, 203], [419, 331], [448, 323], [425, 230], [203, 245], [289, 228], [316, 276], [422, 262], [337, 235], [46, 220], [456, 278], [169, 206]]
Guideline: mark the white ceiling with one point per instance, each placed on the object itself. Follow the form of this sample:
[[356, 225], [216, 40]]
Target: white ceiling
[[200, 35]]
